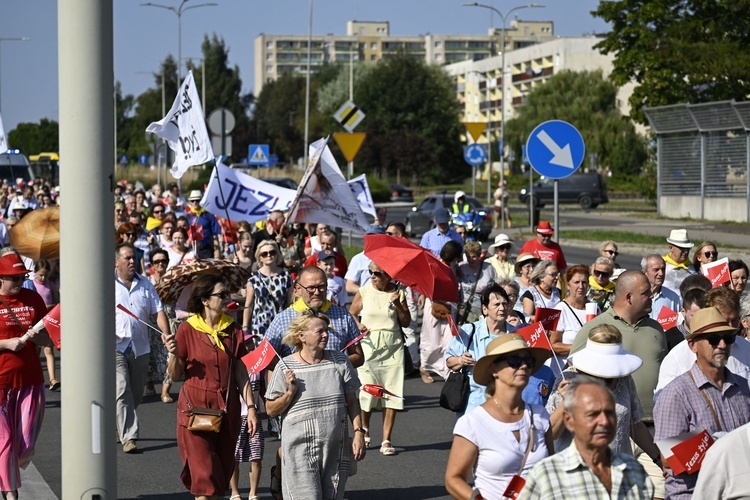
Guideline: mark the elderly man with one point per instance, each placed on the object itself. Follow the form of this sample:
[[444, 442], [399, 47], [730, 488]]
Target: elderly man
[[588, 468], [328, 243], [209, 246], [678, 259], [434, 239], [543, 248], [471, 344], [709, 396], [601, 289], [132, 347], [654, 268]]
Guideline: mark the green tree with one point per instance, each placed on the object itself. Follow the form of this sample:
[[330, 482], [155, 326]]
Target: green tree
[[589, 102], [678, 50], [34, 138]]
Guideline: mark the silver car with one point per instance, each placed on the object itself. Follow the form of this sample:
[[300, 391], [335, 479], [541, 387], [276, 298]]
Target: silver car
[[421, 218]]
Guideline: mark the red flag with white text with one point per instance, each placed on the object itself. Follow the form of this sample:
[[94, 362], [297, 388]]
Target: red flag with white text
[[667, 318], [548, 317], [717, 272], [535, 335], [259, 358], [52, 325]]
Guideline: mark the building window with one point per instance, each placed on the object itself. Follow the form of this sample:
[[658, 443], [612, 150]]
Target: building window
[[438, 57], [438, 44], [373, 57], [373, 46], [269, 57], [269, 69], [269, 45]]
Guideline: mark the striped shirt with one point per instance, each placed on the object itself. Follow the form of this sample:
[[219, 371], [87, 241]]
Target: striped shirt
[[433, 240], [343, 329], [566, 475]]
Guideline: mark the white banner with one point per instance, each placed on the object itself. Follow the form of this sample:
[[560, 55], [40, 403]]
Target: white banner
[[361, 191], [323, 196], [244, 197], [3, 139], [185, 130]]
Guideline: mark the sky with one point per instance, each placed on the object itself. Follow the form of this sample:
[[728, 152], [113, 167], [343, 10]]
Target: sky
[[144, 36]]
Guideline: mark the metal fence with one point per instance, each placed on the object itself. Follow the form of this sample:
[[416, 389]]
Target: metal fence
[[702, 159]]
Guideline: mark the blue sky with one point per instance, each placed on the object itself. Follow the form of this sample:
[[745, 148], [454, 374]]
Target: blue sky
[[143, 36]]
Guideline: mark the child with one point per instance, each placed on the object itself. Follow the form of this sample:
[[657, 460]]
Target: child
[[51, 296], [336, 285]]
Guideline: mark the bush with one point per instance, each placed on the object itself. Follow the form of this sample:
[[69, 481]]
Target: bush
[[380, 191]]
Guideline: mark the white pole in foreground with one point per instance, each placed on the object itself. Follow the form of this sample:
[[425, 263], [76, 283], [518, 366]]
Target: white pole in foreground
[[85, 53]]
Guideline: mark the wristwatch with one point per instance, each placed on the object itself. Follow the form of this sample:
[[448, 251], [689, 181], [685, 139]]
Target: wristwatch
[[360, 429]]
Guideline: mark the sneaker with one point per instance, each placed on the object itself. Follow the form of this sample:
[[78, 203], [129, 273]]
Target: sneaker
[[129, 446]]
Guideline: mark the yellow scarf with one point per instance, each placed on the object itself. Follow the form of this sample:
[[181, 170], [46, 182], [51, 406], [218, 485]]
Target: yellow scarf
[[300, 306], [197, 322], [196, 211], [596, 286], [152, 223], [677, 265]]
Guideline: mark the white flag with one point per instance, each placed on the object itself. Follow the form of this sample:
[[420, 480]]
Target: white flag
[[185, 130], [243, 197], [3, 139], [324, 197], [361, 191]]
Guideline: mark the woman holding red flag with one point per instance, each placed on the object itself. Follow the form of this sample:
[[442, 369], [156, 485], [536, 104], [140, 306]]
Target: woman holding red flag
[[22, 394]]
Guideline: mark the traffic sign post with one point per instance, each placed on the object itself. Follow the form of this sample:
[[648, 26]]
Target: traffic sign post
[[349, 116], [475, 129], [258, 154], [556, 150]]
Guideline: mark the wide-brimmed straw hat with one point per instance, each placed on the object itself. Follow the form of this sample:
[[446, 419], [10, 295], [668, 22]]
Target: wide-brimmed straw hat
[[523, 259], [500, 240], [605, 360], [708, 320], [502, 346], [679, 238]]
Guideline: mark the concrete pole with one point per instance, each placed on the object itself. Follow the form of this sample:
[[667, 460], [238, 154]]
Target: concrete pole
[[307, 82], [85, 54]]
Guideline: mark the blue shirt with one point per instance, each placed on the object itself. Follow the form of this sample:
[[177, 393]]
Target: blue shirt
[[665, 297], [433, 240], [210, 227], [343, 329]]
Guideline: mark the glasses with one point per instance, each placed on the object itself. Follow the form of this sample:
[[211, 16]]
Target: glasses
[[473, 255], [157, 212], [515, 361], [131, 234], [314, 288], [715, 338], [504, 247], [613, 252], [553, 275], [713, 254], [224, 294], [377, 274], [601, 274], [270, 253], [160, 261]]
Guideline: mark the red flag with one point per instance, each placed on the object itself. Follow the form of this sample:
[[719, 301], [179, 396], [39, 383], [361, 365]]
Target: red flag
[[667, 318], [196, 232], [515, 486], [687, 454], [233, 306], [717, 272], [378, 391], [52, 325], [355, 340], [258, 359], [533, 335], [452, 324], [548, 317]]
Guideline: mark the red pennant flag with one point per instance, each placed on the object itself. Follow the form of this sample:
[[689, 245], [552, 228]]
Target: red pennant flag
[[515, 486], [258, 359], [233, 306], [688, 453], [548, 317], [52, 325], [453, 326], [196, 232], [667, 318], [378, 391], [534, 335], [355, 340], [717, 272]]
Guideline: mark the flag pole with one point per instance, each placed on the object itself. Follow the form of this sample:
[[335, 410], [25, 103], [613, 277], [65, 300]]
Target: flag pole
[[223, 202]]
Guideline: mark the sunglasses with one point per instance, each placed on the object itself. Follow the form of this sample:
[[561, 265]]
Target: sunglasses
[[224, 294], [504, 247], [160, 261], [377, 274], [601, 274], [713, 254], [515, 361], [715, 338], [613, 252], [157, 212], [130, 234], [270, 253]]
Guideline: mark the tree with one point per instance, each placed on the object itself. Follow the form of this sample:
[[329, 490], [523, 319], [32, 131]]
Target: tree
[[678, 50], [34, 138], [589, 102]]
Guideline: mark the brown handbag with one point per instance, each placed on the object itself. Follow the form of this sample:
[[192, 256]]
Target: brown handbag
[[440, 310], [205, 419]]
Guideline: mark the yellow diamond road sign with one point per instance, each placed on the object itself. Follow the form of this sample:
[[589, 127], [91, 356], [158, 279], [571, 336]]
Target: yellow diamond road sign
[[349, 143], [349, 115], [475, 129]]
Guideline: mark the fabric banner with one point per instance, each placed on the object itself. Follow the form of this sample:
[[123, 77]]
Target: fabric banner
[[245, 197], [184, 129], [323, 196], [361, 191], [259, 358], [3, 138]]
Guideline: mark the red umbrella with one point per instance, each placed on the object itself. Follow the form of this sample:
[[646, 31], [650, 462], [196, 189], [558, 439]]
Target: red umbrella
[[413, 266]]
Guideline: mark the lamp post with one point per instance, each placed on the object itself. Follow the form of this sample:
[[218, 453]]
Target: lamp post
[[178, 11], [503, 18], [307, 81], [8, 39]]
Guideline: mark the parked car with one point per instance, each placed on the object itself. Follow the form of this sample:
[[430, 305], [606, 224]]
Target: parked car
[[14, 165], [588, 190], [401, 193], [284, 182], [421, 218]]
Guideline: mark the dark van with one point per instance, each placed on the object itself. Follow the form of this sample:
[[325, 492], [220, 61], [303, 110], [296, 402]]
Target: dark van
[[588, 190]]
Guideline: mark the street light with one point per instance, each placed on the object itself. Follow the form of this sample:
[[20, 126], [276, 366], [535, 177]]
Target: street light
[[307, 81], [9, 39], [178, 11], [503, 17]]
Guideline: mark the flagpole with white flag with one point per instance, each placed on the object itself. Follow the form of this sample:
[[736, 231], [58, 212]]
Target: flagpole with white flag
[[184, 129]]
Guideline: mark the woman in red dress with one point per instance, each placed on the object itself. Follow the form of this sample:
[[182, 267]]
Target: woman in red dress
[[207, 349]]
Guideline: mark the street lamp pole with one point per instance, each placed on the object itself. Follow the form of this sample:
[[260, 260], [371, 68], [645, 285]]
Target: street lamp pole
[[307, 82], [178, 11], [8, 39], [503, 18]]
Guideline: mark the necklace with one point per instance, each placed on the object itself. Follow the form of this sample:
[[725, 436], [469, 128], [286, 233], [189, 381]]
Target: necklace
[[315, 361], [508, 411]]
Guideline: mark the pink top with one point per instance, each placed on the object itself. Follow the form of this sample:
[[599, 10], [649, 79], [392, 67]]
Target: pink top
[[45, 290]]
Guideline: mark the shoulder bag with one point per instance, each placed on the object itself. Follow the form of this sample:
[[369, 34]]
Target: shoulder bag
[[454, 395]]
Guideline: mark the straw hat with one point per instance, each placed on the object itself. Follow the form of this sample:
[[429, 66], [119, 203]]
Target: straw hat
[[523, 259], [605, 360], [708, 320], [679, 238], [500, 240], [501, 346]]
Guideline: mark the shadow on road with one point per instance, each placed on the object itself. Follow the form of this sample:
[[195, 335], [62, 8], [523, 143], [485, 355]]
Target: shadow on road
[[412, 493]]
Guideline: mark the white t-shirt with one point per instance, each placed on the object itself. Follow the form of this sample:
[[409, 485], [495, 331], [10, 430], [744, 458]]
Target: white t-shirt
[[500, 454], [337, 291], [569, 324]]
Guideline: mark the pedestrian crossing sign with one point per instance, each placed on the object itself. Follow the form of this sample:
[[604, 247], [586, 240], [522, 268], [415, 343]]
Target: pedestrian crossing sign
[[258, 154]]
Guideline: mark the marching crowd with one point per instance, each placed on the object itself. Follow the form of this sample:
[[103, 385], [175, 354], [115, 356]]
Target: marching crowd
[[582, 414]]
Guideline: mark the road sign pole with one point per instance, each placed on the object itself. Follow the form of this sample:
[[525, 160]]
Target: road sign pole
[[473, 182], [557, 215], [349, 175], [531, 199]]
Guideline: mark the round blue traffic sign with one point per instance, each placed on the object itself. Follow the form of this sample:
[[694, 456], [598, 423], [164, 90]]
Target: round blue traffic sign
[[475, 154], [555, 149]]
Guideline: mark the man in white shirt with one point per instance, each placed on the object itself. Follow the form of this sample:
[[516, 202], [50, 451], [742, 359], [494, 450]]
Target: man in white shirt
[[654, 267]]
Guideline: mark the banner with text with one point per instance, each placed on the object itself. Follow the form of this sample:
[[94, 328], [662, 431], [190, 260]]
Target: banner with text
[[184, 129]]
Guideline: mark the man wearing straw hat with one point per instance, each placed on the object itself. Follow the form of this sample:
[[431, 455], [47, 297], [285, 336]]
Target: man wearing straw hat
[[678, 259], [209, 246], [708, 396]]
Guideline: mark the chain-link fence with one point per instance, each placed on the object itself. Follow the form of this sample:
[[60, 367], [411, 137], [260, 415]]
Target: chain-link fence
[[702, 160]]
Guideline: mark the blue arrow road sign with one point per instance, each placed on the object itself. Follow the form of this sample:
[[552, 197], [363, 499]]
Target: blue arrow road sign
[[475, 154], [258, 154], [555, 149]]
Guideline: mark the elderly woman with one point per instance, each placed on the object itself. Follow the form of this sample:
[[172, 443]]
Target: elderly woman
[[384, 313], [315, 392], [473, 277], [544, 293], [705, 253], [601, 289], [500, 260], [207, 349], [572, 315], [524, 266], [739, 273], [512, 288], [504, 436], [608, 249], [22, 388]]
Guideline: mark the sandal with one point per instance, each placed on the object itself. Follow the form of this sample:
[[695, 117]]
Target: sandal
[[236, 496], [367, 437], [386, 448], [54, 385], [426, 376], [166, 399]]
